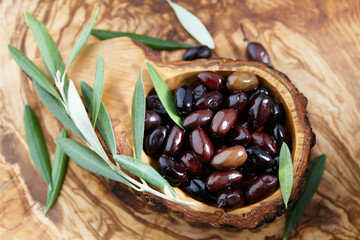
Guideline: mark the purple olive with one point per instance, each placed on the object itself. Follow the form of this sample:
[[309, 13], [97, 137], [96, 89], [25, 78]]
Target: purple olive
[[259, 111], [238, 135], [223, 121], [172, 171], [212, 80], [199, 92], [212, 100], [261, 188], [237, 101], [197, 52], [264, 141], [152, 120], [201, 144], [196, 188], [220, 180], [154, 142], [183, 99], [175, 141], [198, 118], [230, 198]]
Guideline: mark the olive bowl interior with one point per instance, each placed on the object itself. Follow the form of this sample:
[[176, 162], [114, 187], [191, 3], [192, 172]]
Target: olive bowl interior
[[297, 124]]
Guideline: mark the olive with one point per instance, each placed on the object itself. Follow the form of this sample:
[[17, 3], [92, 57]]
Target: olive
[[152, 120], [201, 144], [154, 103], [154, 142], [199, 92], [198, 118], [230, 198], [175, 141], [243, 81], [261, 89], [274, 170], [191, 162], [259, 111], [171, 170], [238, 135], [237, 101], [212, 80], [280, 135], [196, 188], [197, 52], [259, 158], [183, 99], [223, 121], [264, 141], [211, 100], [229, 158], [254, 50], [277, 112], [261, 188], [220, 180]]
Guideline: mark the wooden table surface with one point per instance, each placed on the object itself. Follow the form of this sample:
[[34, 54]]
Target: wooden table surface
[[317, 43]]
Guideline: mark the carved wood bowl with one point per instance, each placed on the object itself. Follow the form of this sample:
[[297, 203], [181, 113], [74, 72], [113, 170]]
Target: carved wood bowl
[[123, 61]]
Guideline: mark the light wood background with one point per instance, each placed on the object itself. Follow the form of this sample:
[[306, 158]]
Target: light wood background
[[317, 43]]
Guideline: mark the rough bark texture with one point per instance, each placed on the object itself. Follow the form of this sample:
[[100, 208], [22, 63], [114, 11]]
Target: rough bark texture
[[314, 43]]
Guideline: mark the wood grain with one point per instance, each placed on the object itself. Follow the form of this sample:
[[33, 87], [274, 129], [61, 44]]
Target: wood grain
[[315, 43]]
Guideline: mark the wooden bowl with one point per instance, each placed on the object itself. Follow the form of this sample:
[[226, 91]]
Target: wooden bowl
[[123, 60]]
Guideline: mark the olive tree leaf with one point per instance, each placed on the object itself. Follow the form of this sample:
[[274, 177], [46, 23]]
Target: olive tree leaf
[[103, 122], [164, 95], [138, 116], [57, 174], [193, 25], [79, 44], [88, 159], [286, 173], [78, 114], [37, 146], [143, 171], [33, 71], [312, 183], [98, 88], [56, 108], [49, 52], [154, 43]]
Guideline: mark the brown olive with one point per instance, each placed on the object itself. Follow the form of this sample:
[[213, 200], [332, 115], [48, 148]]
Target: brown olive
[[229, 158], [243, 81]]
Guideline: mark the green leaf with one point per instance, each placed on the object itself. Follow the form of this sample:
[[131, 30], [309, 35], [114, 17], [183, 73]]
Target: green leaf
[[286, 173], [154, 43], [88, 159], [46, 45], [164, 95], [33, 71], [98, 86], [79, 44], [193, 25], [312, 183], [138, 116], [103, 122], [56, 108], [37, 146], [79, 115], [57, 174], [143, 171]]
